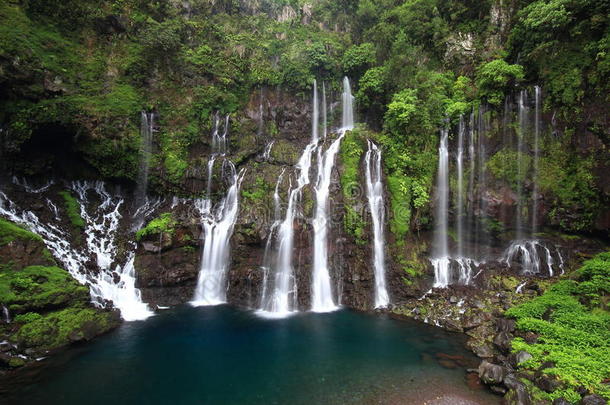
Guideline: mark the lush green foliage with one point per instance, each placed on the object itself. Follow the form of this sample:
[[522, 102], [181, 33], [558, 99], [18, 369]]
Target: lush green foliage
[[573, 326], [495, 78], [163, 224], [352, 150]]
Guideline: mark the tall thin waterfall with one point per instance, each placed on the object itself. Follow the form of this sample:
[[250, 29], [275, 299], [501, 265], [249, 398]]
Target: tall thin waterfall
[[324, 113], [537, 97], [441, 261], [374, 191], [147, 123], [521, 135], [218, 227], [322, 299], [460, 188], [140, 202], [101, 227]]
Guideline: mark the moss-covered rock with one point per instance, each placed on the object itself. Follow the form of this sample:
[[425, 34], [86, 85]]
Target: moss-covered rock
[[60, 328], [39, 288], [49, 308]]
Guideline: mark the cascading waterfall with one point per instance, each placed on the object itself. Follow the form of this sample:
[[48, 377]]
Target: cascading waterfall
[[374, 189], [219, 135], [322, 299], [218, 227], [529, 255], [101, 225], [267, 151], [441, 260], [280, 297]]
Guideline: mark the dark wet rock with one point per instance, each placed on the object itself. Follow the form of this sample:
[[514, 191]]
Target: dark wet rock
[[517, 393], [547, 383], [593, 399], [498, 389], [531, 337], [561, 401], [491, 373]]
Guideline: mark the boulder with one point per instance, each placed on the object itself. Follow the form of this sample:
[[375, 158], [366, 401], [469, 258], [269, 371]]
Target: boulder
[[505, 325], [503, 341], [491, 373], [520, 357], [561, 401], [593, 400]]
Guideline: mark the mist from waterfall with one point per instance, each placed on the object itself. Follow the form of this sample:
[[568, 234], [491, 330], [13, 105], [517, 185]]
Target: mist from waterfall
[[374, 191]]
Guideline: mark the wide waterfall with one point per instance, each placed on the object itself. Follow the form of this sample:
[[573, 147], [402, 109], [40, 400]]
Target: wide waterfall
[[279, 296], [101, 227], [441, 260], [526, 250], [374, 192]]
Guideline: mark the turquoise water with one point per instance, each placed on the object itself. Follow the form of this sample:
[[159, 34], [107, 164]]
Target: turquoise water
[[221, 355]]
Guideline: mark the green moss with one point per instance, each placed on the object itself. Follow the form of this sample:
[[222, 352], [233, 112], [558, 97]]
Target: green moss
[[37, 288], [573, 324], [256, 192], [163, 224], [60, 328], [72, 209], [10, 232]]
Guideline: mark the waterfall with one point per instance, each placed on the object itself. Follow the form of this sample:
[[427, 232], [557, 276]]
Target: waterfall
[[537, 97], [219, 134], [471, 179], [101, 228], [523, 121], [347, 100], [460, 189], [374, 189], [146, 135], [324, 114], [218, 227], [441, 261], [267, 151], [322, 296], [280, 298], [531, 255]]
